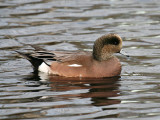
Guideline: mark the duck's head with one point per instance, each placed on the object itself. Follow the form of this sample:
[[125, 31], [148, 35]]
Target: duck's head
[[105, 46]]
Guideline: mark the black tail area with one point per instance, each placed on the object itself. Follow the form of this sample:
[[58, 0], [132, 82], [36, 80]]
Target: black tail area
[[33, 60]]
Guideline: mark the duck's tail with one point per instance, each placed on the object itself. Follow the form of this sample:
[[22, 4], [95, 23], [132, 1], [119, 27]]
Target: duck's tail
[[36, 62]]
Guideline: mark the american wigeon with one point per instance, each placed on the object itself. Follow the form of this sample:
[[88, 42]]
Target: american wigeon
[[99, 63]]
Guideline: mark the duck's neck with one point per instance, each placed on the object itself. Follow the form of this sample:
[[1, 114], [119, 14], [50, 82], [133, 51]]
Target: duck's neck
[[98, 53]]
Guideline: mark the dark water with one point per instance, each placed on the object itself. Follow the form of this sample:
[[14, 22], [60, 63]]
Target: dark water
[[74, 25]]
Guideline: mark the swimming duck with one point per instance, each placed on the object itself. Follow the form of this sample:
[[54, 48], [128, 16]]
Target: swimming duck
[[101, 62]]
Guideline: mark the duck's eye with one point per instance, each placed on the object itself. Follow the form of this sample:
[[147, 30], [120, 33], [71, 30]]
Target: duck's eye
[[115, 43], [112, 41]]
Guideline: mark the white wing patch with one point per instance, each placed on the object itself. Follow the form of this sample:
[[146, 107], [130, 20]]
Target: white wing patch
[[75, 65]]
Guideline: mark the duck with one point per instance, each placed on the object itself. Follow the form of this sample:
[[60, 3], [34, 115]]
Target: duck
[[99, 63]]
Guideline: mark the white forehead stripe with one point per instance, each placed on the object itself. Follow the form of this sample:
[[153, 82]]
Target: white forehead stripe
[[75, 65]]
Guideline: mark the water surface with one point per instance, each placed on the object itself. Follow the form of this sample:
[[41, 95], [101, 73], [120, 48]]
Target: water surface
[[74, 25]]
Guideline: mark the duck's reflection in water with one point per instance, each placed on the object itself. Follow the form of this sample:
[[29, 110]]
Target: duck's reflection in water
[[98, 89], [97, 92]]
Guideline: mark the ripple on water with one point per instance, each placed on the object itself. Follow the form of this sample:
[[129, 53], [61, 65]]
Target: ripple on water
[[74, 25]]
